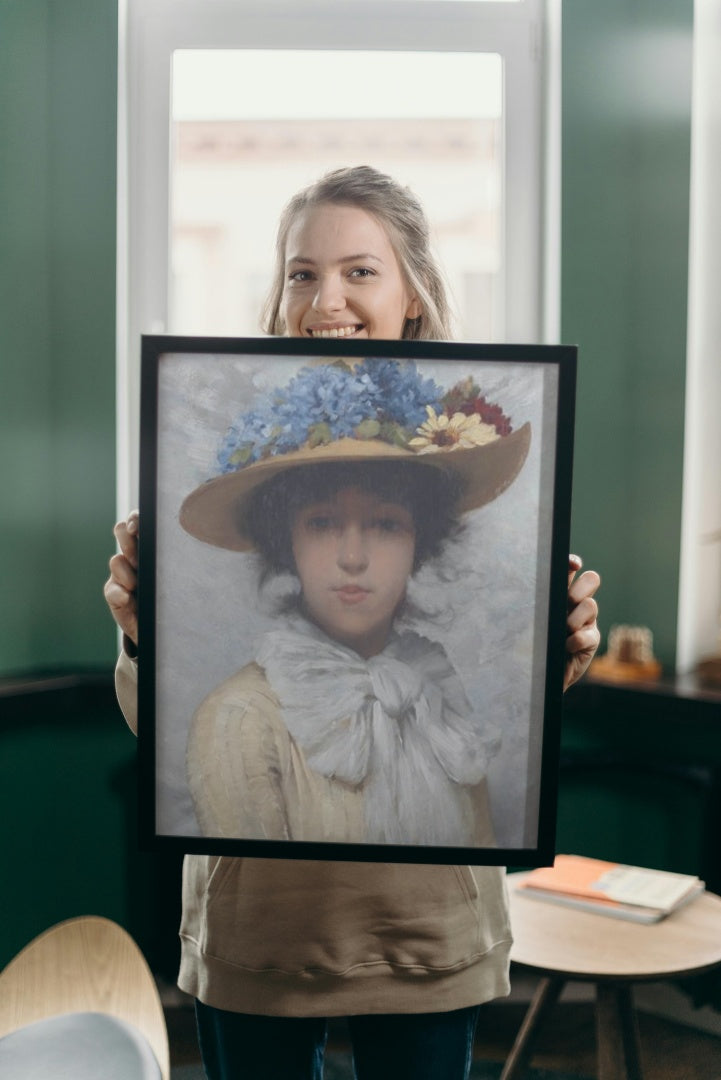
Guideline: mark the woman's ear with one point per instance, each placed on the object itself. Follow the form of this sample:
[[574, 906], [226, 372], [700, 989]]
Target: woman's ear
[[415, 309]]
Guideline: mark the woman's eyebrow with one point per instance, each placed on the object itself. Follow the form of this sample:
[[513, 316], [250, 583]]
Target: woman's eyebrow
[[361, 257]]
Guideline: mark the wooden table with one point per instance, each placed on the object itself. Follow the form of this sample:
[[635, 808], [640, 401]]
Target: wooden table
[[562, 944]]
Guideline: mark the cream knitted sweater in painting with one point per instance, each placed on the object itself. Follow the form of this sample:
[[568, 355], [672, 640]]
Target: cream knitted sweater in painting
[[314, 743]]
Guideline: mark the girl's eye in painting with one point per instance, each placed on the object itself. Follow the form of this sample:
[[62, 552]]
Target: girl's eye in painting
[[319, 523], [392, 525]]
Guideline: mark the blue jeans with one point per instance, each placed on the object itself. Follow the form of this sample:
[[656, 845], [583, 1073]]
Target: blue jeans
[[414, 1046]]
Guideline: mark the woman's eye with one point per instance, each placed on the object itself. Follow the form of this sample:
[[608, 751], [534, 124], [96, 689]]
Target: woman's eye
[[362, 272], [300, 276]]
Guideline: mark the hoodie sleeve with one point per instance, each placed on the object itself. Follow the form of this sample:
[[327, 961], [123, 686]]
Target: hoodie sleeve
[[126, 688]]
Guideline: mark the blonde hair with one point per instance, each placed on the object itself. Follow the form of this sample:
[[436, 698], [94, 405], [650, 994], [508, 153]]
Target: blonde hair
[[403, 217]]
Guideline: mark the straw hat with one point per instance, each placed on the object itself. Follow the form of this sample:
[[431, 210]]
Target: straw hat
[[375, 411]]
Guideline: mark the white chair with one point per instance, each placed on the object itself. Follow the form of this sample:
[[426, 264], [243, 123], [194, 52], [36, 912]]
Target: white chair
[[80, 1002]]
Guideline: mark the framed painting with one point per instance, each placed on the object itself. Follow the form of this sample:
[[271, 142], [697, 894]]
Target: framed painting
[[352, 597]]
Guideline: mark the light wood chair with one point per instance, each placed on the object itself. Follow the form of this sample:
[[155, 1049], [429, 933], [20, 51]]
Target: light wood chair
[[84, 965]]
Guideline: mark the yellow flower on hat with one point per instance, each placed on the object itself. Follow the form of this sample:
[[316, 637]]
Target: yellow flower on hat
[[442, 432]]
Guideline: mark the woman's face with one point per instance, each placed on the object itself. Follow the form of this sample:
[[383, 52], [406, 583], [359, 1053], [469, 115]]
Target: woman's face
[[353, 554], [342, 277]]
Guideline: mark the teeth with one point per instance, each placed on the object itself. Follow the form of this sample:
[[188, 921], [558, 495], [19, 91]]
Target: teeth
[[336, 332]]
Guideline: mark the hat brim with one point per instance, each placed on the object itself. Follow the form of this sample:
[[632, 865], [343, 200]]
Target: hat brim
[[214, 511]]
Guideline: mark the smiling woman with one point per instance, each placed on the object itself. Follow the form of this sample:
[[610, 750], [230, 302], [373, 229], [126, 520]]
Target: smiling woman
[[339, 259], [340, 745], [353, 259]]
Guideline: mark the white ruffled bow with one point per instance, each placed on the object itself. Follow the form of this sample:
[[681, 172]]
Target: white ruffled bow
[[399, 724]]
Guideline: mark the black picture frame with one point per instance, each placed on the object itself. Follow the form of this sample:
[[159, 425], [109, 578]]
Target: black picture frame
[[497, 603]]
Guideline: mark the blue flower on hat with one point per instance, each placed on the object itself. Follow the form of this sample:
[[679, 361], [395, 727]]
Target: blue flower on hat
[[377, 398], [403, 393]]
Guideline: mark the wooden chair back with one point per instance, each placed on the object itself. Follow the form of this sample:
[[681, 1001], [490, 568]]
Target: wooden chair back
[[87, 964]]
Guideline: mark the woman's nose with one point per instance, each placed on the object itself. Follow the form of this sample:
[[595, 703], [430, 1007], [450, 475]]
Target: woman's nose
[[352, 553], [329, 296]]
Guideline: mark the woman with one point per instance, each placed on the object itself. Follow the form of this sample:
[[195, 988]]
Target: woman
[[271, 948]]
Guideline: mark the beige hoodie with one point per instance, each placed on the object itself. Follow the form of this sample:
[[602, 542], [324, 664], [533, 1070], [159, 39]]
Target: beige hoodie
[[286, 937]]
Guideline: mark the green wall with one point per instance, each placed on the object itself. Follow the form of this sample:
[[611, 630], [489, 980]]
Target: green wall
[[58, 71], [626, 145], [67, 761], [626, 137]]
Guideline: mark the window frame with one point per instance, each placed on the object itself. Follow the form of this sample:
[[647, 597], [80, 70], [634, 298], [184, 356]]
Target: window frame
[[526, 34]]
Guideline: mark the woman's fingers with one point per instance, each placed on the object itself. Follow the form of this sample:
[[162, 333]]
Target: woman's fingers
[[126, 534], [123, 607], [586, 585], [123, 572], [582, 633], [121, 587], [582, 612], [575, 562]]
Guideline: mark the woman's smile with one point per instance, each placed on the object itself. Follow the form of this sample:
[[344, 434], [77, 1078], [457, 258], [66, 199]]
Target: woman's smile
[[335, 331]]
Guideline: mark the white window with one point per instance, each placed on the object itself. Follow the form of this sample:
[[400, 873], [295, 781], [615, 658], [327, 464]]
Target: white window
[[699, 622], [227, 107], [236, 159]]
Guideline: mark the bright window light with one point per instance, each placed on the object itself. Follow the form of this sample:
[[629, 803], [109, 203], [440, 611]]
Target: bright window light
[[239, 154], [223, 84]]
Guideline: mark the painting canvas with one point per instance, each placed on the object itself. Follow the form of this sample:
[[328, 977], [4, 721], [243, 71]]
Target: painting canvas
[[352, 597]]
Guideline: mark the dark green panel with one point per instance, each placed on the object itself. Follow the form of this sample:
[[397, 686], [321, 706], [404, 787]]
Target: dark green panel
[[641, 780], [82, 272], [68, 789], [26, 451], [625, 817], [58, 80], [626, 144]]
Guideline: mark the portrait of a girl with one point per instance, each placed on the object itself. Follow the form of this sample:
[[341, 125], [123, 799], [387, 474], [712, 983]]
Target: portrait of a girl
[[343, 726]]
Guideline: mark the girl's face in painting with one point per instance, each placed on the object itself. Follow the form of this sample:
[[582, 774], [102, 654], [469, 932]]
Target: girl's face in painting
[[342, 277], [354, 553]]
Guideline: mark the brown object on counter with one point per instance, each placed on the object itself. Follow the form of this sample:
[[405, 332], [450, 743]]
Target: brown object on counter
[[629, 657], [709, 671]]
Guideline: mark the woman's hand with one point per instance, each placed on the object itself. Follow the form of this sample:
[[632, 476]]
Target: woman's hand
[[121, 587], [583, 636]]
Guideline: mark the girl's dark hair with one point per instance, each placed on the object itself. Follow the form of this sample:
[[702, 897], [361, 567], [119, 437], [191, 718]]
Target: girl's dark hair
[[429, 494]]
